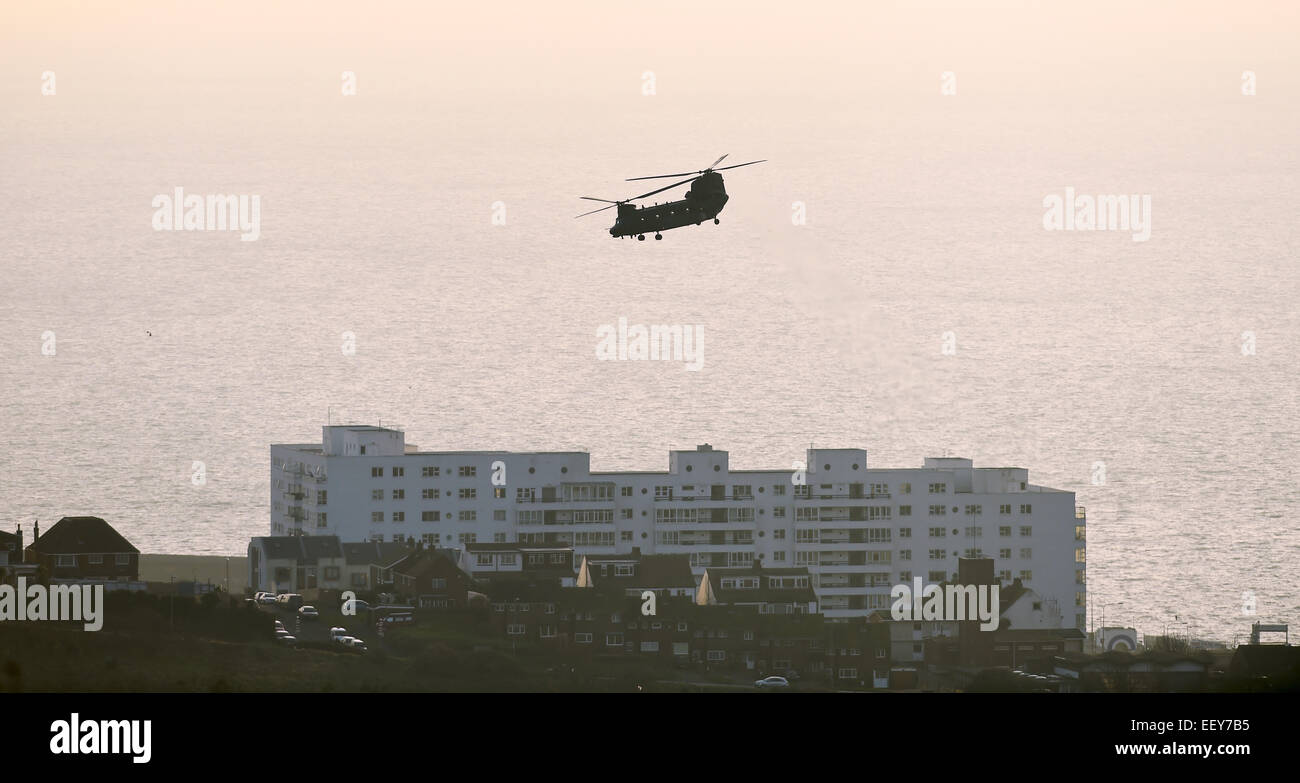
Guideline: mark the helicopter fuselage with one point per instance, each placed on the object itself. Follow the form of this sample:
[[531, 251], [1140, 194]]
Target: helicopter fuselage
[[703, 201]]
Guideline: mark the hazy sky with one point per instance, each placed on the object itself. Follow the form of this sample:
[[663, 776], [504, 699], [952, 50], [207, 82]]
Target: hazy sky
[[292, 51]]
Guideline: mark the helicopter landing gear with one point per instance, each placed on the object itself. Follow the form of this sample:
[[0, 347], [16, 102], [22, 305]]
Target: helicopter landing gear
[[640, 237], [659, 236], [716, 221]]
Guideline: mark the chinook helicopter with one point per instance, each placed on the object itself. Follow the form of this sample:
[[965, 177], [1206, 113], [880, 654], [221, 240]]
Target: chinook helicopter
[[703, 201]]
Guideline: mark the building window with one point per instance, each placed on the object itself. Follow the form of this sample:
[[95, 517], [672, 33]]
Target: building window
[[905, 532], [377, 495], [905, 488], [376, 472], [515, 630], [1026, 530], [1005, 508], [96, 559], [582, 638], [499, 492], [1026, 508], [905, 511], [938, 511], [430, 494], [399, 516], [938, 554], [429, 471], [938, 532], [613, 640], [399, 494], [499, 515], [429, 516], [123, 560], [320, 497], [1005, 554], [1026, 554], [467, 516], [467, 493], [376, 516], [399, 472], [65, 561], [320, 519], [467, 538], [938, 489], [625, 492], [467, 471]]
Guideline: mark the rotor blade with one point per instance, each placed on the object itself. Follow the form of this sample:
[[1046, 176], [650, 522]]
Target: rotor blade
[[661, 190], [664, 176], [607, 201], [594, 211], [738, 165], [716, 162]]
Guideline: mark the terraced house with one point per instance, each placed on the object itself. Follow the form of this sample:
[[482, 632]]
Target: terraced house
[[856, 529]]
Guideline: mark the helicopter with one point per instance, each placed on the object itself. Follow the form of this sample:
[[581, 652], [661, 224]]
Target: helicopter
[[703, 201]]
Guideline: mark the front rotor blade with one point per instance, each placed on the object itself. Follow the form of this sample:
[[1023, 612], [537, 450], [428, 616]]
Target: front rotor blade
[[594, 211], [716, 162], [605, 200]]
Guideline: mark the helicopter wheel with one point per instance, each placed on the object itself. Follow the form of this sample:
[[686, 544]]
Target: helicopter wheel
[[716, 221], [659, 236], [640, 237]]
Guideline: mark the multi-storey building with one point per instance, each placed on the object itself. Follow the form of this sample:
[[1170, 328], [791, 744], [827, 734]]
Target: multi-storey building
[[858, 531]]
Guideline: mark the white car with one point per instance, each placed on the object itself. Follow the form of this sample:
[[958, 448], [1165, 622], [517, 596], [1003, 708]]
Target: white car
[[772, 682], [286, 639], [279, 626], [355, 644], [337, 633], [308, 613], [264, 598]]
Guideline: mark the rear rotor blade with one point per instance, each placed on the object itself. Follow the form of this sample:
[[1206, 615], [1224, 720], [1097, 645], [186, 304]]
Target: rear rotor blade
[[716, 162], [665, 176], [661, 190], [738, 165]]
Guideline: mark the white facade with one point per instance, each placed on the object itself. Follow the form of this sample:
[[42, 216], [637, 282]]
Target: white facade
[[858, 531]]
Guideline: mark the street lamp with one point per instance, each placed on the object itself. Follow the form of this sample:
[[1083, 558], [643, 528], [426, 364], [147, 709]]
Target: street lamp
[[1102, 630]]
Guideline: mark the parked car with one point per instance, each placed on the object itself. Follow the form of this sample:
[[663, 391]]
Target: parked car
[[279, 626], [286, 640], [337, 632], [264, 598], [355, 644], [308, 613], [289, 600], [356, 605], [772, 682]]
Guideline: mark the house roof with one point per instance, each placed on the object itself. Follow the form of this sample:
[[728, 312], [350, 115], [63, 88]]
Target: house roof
[[762, 594], [649, 571], [76, 535], [494, 547], [380, 553]]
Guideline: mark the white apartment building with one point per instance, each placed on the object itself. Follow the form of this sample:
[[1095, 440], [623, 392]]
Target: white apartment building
[[859, 531]]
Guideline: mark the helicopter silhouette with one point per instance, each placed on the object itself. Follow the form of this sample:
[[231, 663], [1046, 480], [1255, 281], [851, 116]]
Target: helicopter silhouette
[[703, 201]]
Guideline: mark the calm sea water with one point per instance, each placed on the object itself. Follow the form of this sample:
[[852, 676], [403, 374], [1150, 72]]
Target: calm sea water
[[1072, 349]]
